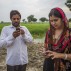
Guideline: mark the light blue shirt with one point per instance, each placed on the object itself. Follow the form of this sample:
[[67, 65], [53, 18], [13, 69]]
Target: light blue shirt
[[16, 47]]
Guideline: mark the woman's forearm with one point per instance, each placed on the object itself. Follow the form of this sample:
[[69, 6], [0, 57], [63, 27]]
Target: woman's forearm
[[65, 56]]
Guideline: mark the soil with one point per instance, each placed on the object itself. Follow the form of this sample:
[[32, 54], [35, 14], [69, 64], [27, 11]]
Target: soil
[[35, 58]]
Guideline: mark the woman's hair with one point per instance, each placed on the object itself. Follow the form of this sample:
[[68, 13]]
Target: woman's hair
[[58, 12], [14, 12], [55, 13]]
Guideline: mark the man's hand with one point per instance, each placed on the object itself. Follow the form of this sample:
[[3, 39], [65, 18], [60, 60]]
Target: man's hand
[[16, 33], [22, 31]]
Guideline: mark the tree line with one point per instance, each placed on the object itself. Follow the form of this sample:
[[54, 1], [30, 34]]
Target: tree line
[[68, 4], [31, 18]]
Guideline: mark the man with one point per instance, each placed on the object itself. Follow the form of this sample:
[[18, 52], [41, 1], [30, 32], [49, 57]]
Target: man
[[14, 38]]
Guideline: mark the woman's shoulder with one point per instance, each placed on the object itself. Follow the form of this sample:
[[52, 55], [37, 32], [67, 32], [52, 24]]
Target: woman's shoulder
[[48, 31], [68, 33], [69, 30]]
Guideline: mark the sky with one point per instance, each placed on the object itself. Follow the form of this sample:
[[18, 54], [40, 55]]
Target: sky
[[38, 8]]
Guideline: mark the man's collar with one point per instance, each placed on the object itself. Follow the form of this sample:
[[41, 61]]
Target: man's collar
[[14, 27]]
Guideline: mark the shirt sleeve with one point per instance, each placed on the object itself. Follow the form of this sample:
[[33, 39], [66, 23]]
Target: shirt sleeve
[[27, 37], [6, 40]]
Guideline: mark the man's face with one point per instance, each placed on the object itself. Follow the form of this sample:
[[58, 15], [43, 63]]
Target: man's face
[[16, 20]]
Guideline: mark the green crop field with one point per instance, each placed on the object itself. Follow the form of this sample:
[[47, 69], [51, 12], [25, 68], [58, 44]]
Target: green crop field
[[36, 29]]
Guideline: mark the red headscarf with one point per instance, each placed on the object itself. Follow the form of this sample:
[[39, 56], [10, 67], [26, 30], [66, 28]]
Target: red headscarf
[[64, 18]]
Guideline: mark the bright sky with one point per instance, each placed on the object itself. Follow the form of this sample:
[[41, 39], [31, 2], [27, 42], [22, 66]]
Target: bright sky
[[38, 8]]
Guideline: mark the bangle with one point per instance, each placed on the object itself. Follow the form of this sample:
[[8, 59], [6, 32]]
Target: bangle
[[65, 56]]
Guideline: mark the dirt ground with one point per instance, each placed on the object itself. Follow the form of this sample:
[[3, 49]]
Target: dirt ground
[[35, 58]]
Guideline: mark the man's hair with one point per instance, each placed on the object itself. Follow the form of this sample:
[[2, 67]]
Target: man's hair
[[14, 12]]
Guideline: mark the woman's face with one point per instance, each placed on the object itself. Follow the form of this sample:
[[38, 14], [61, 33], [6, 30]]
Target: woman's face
[[55, 22], [15, 20]]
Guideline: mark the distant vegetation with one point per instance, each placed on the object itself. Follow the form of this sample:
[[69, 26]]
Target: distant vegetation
[[37, 29], [68, 4]]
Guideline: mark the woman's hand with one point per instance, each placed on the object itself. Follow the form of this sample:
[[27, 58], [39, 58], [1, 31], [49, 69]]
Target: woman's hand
[[44, 52], [53, 54]]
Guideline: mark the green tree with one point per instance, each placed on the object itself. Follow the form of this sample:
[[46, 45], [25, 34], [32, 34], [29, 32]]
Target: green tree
[[23, 20], [34, 19], [70, 20], [68, 4], [43, 19], [30, 18], [2, 21]]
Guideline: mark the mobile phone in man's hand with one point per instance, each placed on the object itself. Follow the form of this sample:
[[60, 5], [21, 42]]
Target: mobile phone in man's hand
[[17, 29]]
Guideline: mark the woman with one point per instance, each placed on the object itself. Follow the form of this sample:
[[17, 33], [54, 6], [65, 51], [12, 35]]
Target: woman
[[58, 40]]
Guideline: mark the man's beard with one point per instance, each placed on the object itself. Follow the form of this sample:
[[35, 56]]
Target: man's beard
[[15, 24]]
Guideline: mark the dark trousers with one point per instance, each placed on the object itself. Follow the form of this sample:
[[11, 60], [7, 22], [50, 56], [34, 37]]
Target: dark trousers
[[16, 68], [48, 65]]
